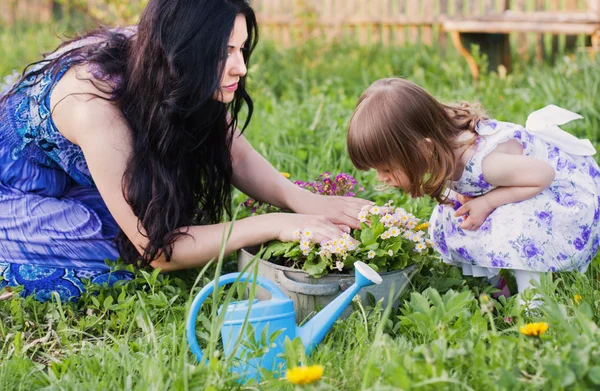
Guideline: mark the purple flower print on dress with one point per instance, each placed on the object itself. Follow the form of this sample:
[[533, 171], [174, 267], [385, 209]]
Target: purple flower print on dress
[[545, 217], [561, 257], [465, 254], [518, 134], [486, 226], [482, 183], [498, 260], [529, 249], [594, 173], [451, 229], [565, 199], [597, 211], [554, 152], [440, 240], [492, 124], [585, 233], [561, 164]]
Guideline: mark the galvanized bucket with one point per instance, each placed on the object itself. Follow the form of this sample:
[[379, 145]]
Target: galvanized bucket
[[312, 294]]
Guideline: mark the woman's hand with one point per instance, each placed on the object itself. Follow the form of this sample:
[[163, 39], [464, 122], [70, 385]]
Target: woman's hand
[[478, 209], [321, 228], [342, 211]]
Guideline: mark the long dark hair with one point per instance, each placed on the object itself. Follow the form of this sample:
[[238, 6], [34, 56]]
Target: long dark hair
[[179, 173]]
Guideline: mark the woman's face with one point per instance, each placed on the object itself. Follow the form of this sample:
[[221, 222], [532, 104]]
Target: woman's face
[[235, 67]]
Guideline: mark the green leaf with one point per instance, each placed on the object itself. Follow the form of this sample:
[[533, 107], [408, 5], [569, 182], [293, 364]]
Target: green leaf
[[367, 237], [594, 374], [317, 267]]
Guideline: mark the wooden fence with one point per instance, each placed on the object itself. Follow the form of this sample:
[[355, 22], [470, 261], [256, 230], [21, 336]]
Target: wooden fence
[[393, 22], [292, 22]]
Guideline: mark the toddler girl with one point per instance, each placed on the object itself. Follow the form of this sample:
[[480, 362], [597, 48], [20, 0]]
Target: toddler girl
[[510, 197]]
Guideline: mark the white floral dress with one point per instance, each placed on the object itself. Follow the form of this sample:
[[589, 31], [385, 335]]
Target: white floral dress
[[556, 230]]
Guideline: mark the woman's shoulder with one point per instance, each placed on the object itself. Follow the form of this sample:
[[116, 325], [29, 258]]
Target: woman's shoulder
[[81, 102]]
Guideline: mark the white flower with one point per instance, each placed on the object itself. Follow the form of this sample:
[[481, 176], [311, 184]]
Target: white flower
[[394, 232], [371, 254], [375, 210], [339, 265], [420, 247], [307, 233], [363, 217], [390, 253], [297, 234]]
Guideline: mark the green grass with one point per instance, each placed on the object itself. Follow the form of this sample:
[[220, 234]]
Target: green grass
[[445, 336]]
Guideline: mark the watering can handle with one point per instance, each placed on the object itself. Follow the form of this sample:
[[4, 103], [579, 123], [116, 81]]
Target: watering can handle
[[207, 290]]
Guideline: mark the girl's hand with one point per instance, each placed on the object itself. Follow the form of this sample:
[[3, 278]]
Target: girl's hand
[[342, 211], [321, 228], [463, 199], [475, 210]]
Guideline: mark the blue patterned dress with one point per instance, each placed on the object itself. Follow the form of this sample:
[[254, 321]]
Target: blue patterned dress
[[557, 230], [55, 230]]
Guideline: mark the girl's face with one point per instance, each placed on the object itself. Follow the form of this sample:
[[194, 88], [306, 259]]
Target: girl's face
[[395, 178], [235, 67]]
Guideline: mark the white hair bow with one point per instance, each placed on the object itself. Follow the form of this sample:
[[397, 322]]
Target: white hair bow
[[543, 123]]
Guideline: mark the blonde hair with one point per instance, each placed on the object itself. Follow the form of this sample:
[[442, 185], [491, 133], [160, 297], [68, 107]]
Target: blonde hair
[[398, 125]]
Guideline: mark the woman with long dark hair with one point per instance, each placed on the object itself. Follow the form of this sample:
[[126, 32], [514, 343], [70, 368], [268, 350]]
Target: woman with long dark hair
[[125, 142]]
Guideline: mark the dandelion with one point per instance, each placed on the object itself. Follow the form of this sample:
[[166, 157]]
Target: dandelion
[[422, 226], [304, 374], [371, 254], [285, 174], [534, 329], [577, 298]]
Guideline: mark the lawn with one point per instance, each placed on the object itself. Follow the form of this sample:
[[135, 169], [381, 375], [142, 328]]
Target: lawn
[[448, 334]]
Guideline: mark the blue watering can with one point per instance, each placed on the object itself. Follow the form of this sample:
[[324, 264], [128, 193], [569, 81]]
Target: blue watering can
[[273, 315]]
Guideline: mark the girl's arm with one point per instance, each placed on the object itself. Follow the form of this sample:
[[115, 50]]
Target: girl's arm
[[256, 177], [518, 178]]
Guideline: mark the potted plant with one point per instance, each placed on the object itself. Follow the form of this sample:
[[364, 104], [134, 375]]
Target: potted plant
[[390, 240]]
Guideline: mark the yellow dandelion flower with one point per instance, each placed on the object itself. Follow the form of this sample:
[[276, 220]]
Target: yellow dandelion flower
[[534, 329], [285, 174], [577, 298], [304, 374], [422, 226]]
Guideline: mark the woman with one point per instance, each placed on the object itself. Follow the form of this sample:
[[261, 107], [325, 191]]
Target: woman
[[125, 142]]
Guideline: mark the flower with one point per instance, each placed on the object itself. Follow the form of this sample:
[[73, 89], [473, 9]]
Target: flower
[[285, 174], [534, 329], [577, 298], [304, 374], [422, 226], [371, 254]]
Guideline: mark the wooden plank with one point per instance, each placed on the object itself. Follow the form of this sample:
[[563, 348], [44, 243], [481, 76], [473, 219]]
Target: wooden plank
[[400, 30], [508, 27], [412, 14], [426, 30]]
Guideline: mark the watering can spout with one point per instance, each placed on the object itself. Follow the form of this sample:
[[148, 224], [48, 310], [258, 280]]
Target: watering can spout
[[313, 332]]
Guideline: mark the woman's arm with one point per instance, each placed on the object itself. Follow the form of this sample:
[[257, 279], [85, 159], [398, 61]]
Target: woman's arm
[[97, 126], [256, 177], [518, 178]]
